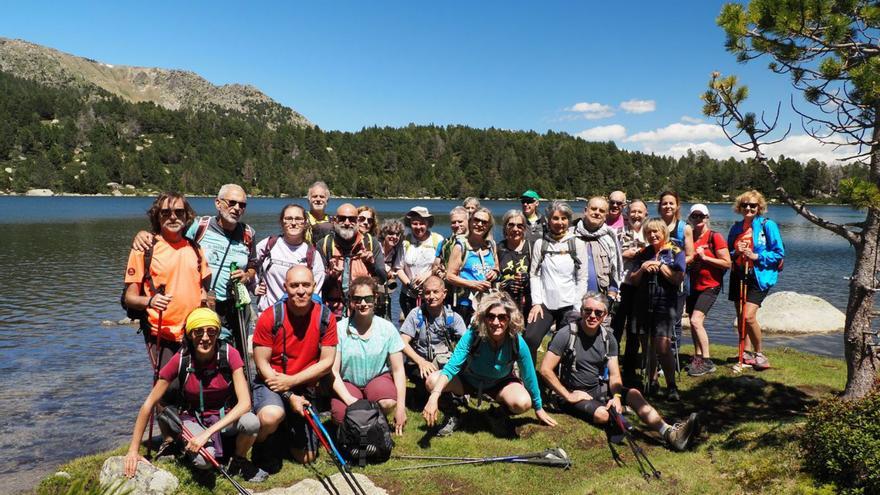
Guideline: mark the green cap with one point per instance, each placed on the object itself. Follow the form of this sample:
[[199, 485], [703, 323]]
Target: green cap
[[531, 195]]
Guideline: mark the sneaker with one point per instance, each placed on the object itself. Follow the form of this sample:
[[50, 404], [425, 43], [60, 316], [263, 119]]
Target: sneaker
[[709, 366], [678, 437], [246, 469], [694, 368], [761, 362], [449, 426], [749, 358], [672, 395]]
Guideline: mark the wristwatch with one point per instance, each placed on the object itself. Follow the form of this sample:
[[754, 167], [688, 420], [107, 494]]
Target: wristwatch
[[286, 395]]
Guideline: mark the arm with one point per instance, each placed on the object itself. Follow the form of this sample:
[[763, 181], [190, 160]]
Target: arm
[[615, 385], [775, 250], [262, 355], [530, 380], [132, 457], [243, 405], [548, 373], [395, 360], [339, 384], [722, 261], [315, 371], [142, 241], [688, 244], [536, 285], [135, 300]]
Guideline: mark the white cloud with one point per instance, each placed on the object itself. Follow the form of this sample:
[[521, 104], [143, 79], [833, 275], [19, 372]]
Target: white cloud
[[691, 120], [614, 132], [638, 106], [591, 111], [679, 132], [800, 147]]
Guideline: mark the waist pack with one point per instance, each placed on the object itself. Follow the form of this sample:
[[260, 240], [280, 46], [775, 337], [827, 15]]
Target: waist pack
[[365, 434]]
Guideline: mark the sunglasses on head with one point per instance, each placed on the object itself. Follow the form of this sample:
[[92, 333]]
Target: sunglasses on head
[[211, 331], [363, 299], [346, 218], [502, 317], [178, 212], [231, 203], [598, 313], [753, 206]]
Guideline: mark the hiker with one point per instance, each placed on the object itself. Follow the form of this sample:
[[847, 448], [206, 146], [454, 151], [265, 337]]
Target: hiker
[[581, 367], [419, 249], [604, 262], [758, 256], [682, 235], [514, 255], [294, 347], [557, 276], [471, 204], [615, 217], [369, 364], [473, 263], [348, 254], [213, 396], [711, 260], [368, 221], [168, 279], [390, 235], [660, 272], [458, 225], [623, 321], [275, 258], [482, 363], [320, 222], [536, 224], [429, 335]]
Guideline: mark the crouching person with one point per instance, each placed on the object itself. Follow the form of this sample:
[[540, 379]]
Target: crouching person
[[294, 347], [483, 364], [429, 335], [575, 366], [211, 379]]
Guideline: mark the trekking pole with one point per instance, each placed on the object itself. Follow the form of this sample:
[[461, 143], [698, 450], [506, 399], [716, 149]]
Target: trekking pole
[[156, 365], [324, 437], [743, 294], [637, 450], [650, 359], [551, 457]]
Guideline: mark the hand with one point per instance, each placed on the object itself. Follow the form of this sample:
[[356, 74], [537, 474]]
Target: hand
[[420, 279], [160, 302], [536, 313], [698, 254], [651, 266], [481, 285], [131, 461], [615, 403], [278, 382], [492, 275], [426, 368], [545, 418], [577, 396], [742, 246], [240, 275], [430, 410], [366, 256], [299, 404], [399, 419], [260, 289], [335, 266], [142, 241], [630, 253], [197, 442], [748, 253]]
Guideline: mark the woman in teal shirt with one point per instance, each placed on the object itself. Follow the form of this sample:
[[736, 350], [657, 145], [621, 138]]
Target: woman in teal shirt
[[483, 364]]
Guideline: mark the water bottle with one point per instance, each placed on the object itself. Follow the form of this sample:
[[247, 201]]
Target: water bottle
[[239, 291]]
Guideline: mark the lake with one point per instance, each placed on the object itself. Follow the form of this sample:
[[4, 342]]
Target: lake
[[72, 387]]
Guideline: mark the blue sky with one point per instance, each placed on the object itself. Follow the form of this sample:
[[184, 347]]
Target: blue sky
[[631, 72]]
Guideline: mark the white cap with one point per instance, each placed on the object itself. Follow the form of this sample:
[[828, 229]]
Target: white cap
[[699, 207]]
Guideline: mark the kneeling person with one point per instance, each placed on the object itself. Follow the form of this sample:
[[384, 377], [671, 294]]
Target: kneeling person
[[584, 360]]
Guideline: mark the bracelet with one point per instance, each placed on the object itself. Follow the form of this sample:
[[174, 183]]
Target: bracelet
[[150, 301], [617, 396]]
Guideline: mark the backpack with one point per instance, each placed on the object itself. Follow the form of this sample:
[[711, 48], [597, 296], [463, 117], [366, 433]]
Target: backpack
[[568, 360], [436, 240], [185, 368], [278, 322], [422, 325], [571, 250], [270, 243], [365, 434], [204, 222]]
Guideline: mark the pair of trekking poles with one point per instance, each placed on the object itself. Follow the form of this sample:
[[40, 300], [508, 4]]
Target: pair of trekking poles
[[741, 320]]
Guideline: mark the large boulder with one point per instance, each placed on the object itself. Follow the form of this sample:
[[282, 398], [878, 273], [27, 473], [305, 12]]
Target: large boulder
[[331, 484], [39, 192], [790, 312], [149, 480]]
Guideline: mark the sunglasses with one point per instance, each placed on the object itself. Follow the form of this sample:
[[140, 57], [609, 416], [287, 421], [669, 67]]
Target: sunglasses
[[363, 299], [598, 313], [753, 206], [368, 220], [616, 203], [479, 221], [698, 216], [344, 218], [211, 331], [231, 203], [502, 317], [512, 225], [167, 212], [527, 201]]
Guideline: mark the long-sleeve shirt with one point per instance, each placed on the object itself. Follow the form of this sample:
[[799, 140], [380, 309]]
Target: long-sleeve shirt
[[555, 282]]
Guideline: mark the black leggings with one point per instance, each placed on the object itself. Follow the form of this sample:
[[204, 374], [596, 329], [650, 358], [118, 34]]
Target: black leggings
[[537, 330]]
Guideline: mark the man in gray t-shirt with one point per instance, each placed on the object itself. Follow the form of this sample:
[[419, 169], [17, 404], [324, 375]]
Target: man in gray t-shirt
[[591, 352]]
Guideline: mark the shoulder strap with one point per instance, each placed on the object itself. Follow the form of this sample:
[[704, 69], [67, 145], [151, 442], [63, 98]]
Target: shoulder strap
[[148, 261], [223, 361], [310, 255], [572, 251], [325, 322], [184, 368], [278, 310], [202, 228]]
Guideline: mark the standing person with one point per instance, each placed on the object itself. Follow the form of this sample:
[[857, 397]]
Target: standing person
[[275, 258], [419, 249], [473, 263], [390, 235], [458, 225], [368, 221], [348, 254], [711, 260], [632, 241], [660, 272], [557, 277], [483, 364], [214, 396], [471, 204], [168, 278], [589, 382], [616, 204], [536, 224], [294, 347], [758, 258], [320, 222], [514, 255], [682, 235], [605, 264], [369, 364]]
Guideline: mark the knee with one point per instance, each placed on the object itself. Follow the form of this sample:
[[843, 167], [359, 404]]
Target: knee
[[600, 417], [387, 405], [520, 404], [697, 319], [248, 424], [752, 319], [270, 417], [304, 456]]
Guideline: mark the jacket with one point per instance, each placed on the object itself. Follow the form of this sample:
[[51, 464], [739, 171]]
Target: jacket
[[767, 245]]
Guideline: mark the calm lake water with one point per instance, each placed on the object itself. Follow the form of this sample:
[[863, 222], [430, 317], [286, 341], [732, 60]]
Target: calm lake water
[[72, 387]]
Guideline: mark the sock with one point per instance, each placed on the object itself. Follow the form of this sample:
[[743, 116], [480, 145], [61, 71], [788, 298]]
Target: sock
[[664, 428]]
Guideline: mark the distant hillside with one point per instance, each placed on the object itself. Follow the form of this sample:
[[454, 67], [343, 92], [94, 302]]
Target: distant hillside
[[168, 88]]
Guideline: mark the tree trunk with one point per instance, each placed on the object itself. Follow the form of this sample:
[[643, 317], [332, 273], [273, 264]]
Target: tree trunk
[[861, 359]]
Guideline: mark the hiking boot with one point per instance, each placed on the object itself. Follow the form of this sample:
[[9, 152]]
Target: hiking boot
[[761, 362], [449, 426], [246, 469], [672, 394], [263, 455], [706, 366], [678, 437]]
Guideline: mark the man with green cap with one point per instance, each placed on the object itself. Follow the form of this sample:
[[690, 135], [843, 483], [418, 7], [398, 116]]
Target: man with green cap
[[536, 224]]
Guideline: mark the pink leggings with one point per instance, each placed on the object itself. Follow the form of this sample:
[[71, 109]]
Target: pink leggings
[[381, 387]]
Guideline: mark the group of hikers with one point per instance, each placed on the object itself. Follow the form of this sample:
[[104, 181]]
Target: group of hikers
[[247, 338]]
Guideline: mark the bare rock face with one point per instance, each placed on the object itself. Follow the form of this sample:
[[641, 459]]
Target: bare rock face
[[330, 484], [149, 480], [790, 312]]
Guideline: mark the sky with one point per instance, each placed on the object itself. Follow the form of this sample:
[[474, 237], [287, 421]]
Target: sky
[[630, 72]]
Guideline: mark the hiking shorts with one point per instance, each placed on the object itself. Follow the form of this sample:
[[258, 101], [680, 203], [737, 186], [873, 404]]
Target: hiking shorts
[[298, 435], [379, 388], [586, 409], [703, 300], [754, 294], [664, 319], [491, 390]]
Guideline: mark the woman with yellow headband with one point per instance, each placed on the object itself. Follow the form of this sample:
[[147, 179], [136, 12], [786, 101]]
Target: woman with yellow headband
[[210, 379]]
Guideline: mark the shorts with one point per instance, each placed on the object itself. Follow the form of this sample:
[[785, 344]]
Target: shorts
[[298, 434], [492, 390], [754, 294], [703, 300], [662, 319], [379, 388], [586, 409]]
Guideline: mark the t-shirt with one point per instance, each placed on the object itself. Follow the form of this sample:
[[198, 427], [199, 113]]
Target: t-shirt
[[666, 295], [303, 338], [590, 355], [514, 266], [618, 224], [703, 275], [434, 333], [215, 242], [176, 266], [282, 257], [216, 391], [744, 236], [365, 359], [418, 256]]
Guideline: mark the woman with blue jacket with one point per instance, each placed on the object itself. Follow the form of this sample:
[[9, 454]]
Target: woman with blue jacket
[[758, 254]]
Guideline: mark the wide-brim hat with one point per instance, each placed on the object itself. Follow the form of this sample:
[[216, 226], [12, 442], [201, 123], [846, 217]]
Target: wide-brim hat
[[419, 211]]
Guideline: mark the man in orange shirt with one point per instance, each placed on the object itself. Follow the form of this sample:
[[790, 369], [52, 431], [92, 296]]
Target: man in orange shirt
[[175, 282]]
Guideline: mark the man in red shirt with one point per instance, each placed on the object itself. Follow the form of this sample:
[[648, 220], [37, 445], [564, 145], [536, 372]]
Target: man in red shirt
[[290, 360]]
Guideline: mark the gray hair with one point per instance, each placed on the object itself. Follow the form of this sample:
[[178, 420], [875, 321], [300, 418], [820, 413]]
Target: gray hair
[[458, 210], [595, 296], [510, 214], [227, 188], [319, 184], [560, 206]]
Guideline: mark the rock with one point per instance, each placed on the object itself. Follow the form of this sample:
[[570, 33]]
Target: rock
[[116, 192], [314, 487], [108, 323], [62, 474], [126, 321], [39, 192], [790, 312], [149, 480]]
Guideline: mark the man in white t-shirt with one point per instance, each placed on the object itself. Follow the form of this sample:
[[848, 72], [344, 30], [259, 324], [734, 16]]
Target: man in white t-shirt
[[419, 250]]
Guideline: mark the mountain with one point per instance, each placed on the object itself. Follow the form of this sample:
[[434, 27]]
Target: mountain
[[169, 88]]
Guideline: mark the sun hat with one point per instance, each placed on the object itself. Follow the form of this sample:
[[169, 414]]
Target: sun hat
[[419, 211]]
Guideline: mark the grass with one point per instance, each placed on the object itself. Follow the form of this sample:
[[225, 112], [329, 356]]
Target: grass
[[749, 444]]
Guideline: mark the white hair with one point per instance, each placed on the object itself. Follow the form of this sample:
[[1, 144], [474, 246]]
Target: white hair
[[228, 188]]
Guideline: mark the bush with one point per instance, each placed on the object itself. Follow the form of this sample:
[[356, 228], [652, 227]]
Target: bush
[[841, 443]]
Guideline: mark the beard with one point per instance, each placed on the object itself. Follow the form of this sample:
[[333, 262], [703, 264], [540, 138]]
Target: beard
[[345, 233]]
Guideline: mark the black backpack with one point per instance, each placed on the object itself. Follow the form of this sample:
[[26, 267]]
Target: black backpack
[[365, 434]]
